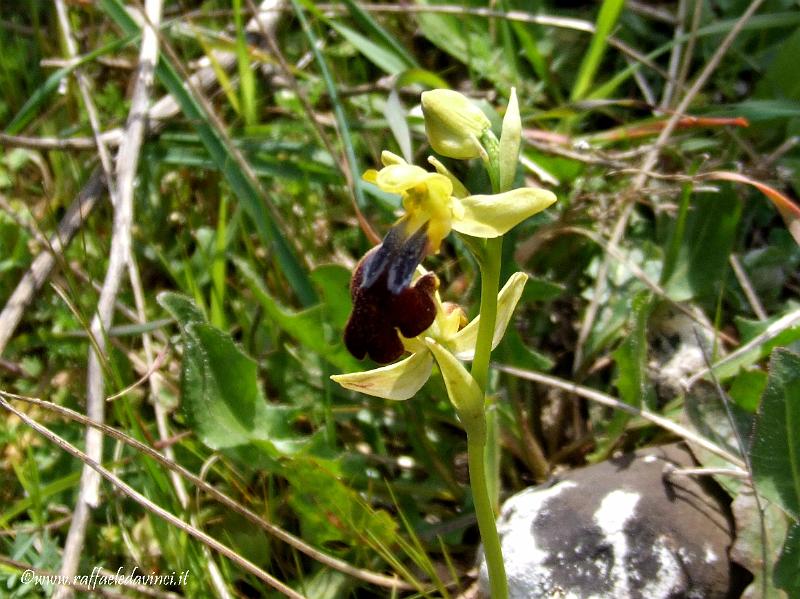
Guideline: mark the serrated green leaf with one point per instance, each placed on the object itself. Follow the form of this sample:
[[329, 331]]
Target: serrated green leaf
[[220, 393]]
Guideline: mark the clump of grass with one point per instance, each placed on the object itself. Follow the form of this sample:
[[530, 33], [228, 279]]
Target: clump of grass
[[250, 211]]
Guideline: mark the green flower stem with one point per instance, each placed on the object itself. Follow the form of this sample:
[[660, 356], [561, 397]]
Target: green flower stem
[[498, 585], [476, 429], [490, 284]]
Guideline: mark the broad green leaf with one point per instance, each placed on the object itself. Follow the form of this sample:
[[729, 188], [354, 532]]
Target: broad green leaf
[[787, 571], [328, 584], [749, 329], [709, 417], [747, 388], [702, 258], [775, 453], [750, 544], [514, 351], [220, 393], [181, 308], [333, 282]]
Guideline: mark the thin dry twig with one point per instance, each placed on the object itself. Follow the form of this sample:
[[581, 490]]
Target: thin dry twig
[[126, 168], [85, 89], [776, 328], [607, 400], [747, 287], [39, 271], [295, 542], [154, 508]]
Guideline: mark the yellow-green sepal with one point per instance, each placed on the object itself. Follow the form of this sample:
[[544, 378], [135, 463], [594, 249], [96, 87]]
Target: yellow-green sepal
[[490, 216], [398, 381], [459, 190], [510, 139]]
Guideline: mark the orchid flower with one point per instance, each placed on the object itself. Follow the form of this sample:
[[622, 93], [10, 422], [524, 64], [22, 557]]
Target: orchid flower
[[446, 341], [384, 302]]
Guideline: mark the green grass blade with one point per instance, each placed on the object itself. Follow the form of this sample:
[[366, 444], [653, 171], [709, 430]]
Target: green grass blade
[[338, 109], [376, 32], [260, 209], [606, 20], [31, 107], [247, 82]]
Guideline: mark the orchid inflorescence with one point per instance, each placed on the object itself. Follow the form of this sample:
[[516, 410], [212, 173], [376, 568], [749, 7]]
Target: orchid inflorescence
[[396, 303]]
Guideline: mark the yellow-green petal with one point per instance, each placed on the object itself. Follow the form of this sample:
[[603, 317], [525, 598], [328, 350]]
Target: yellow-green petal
[[462, 389], [463, 343], [397, 178], [397, 381], [490, 216], [388, 158], [459, 190]]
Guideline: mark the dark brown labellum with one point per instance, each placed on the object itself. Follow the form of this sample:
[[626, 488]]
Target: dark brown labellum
[[379, 311]]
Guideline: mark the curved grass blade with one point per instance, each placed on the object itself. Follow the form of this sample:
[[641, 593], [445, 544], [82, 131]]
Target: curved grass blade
[[30, 108], [606, 20]]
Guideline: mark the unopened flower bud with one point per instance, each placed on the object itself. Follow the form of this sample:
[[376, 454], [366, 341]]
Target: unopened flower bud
[[453, 123]]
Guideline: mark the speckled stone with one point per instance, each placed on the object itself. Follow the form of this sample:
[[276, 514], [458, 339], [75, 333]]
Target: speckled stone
[[619, 529]]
